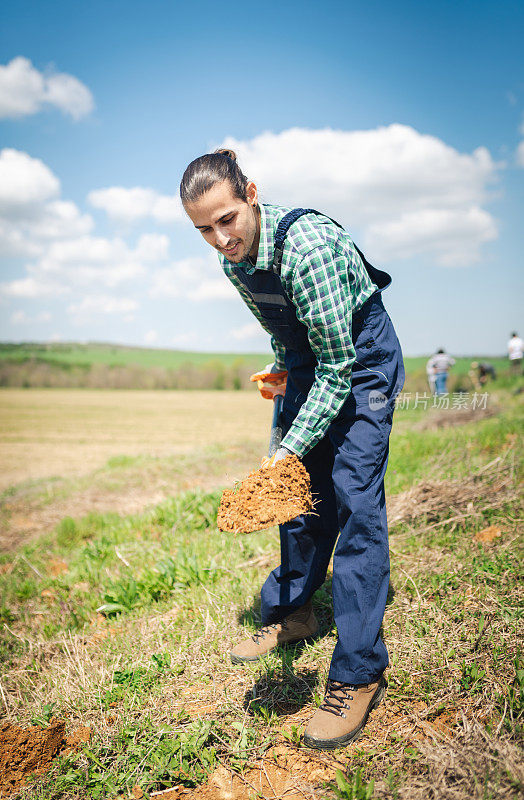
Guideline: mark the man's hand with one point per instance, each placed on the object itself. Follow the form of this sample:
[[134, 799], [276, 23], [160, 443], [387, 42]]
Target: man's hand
[[281, 453], [270, 382]]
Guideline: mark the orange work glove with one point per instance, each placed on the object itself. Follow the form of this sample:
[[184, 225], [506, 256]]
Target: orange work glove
[[270, 383]]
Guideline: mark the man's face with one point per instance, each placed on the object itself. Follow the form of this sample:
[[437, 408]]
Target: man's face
[[228, 224]]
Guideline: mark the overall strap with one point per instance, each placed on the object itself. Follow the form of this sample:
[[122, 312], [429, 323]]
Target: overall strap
[[282, 229], [380, 278]]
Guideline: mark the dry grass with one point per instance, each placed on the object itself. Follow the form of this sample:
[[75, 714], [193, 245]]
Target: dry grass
[[452, 718], [489, 487], [46, 433]]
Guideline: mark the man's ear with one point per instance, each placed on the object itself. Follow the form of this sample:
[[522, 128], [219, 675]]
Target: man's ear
[[251, 194]]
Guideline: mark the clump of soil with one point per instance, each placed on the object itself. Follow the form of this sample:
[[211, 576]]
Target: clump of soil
[[266, 497], [24, 751]]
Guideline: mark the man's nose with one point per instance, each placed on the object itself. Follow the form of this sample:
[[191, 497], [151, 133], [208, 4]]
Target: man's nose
[[221, 238]]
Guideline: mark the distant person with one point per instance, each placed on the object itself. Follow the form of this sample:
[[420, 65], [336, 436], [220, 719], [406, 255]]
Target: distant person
[[441, 363], [431, 375], [480, 373], [515, 352]]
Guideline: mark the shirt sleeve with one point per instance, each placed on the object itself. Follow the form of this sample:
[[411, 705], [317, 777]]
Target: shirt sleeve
[[279, 352], [322, 296]]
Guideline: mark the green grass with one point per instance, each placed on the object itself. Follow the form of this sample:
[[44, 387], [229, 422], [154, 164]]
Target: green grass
[[132, 640], [86, 355]]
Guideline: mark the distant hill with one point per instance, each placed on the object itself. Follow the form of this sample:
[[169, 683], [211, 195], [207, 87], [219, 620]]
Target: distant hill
[[115, 355], [111, 366]]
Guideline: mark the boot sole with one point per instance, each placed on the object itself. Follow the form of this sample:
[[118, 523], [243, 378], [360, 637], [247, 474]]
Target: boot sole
[[244, 659], [343, 741]]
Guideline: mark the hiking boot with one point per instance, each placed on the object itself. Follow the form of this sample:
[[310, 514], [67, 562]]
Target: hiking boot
[[299, 626], [343, 713]]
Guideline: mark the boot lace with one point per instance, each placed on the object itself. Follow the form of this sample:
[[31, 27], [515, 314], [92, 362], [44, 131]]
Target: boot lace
[[263, 632], [336, 693]]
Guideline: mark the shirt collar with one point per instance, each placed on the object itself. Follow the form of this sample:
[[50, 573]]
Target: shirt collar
[[267, 234]]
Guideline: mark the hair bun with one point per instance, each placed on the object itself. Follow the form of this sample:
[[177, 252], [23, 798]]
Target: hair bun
[[224, 151]]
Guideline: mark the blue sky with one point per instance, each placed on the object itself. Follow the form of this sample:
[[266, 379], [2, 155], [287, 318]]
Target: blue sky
[[402, 119]]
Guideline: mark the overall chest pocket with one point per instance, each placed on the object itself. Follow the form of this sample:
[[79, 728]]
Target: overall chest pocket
[[284, 325]]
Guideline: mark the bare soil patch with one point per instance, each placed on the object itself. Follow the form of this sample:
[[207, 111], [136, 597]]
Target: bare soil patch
[[267, 497], [52, 432], [26, 751], [448, 418]]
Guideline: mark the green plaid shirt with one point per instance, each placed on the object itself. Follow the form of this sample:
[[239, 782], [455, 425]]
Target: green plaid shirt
[[326, 280]]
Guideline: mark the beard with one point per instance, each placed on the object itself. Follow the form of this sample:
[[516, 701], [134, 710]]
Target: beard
[[252, 235], [246, 244]]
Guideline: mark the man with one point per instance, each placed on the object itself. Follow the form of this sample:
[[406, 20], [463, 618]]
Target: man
[[515, 352], [319, 299], [480, 372], [441, 363]]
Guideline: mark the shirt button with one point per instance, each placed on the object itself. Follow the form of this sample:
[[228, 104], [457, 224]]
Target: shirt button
[[368, 346]]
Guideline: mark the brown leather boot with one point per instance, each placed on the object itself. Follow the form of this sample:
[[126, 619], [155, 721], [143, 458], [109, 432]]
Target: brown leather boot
[[298, 626], [343, 713]]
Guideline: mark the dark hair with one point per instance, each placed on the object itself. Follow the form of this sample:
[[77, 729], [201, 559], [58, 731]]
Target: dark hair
[[514, 333], [441, 350], [202, 174]]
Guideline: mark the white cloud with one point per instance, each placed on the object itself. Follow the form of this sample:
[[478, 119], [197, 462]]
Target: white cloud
[[453, 236], [218, 288], [15, 243], [21, 318], [152, 247], [151, 337], [60, 219], [372, 179], [24, 91], [64, 256], [31, 214], [77, 264], [252, 330], [198, 279], [186, 338], [102, 304], [25, 183], [138, 203], [33, 286], [90, 260]]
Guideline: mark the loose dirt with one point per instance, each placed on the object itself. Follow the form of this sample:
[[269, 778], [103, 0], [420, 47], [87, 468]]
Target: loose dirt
[[26, 751], [448, 418], [266, 497]]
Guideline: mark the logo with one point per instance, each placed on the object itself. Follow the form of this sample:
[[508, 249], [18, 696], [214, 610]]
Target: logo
[[377, 400]]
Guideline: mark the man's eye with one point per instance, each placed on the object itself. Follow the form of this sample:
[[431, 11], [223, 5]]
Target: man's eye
[[227, 221]]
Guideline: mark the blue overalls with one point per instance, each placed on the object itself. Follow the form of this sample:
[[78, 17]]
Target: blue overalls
[[347, 469]]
